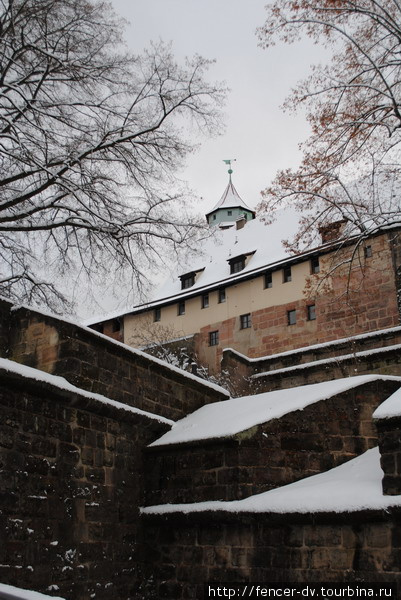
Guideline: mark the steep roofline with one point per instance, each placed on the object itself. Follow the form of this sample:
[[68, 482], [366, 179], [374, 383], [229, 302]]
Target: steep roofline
[[243, 276], [222, 202]]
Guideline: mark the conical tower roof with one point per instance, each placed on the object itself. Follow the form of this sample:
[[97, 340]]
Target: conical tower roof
[[230, 199]]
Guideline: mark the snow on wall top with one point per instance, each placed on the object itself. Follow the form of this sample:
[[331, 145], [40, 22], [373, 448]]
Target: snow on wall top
[[389, 408], [352, 338], [353, 486], [62, 384], [10, 591], [229, 417], [127, 348]]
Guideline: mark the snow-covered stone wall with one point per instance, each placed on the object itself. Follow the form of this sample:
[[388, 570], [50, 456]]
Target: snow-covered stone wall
[[70, 487], [99, 364]]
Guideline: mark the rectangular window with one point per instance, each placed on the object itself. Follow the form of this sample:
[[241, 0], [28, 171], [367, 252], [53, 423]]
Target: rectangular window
[[213, 338], [245, 321], [205, 300], [287, 276], [268, 279], [187, 281], [237, 264], [230, 212], [311, 312], [157, 314], [222, 295], [314, 265], [368, 251], [115, 325], [291, 317], [181, 308]]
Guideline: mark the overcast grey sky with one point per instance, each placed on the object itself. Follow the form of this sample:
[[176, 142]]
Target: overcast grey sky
[[258, 134]]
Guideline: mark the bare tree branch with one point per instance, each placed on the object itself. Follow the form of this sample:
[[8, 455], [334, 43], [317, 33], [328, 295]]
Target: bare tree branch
[[351, 163], [90, 140]]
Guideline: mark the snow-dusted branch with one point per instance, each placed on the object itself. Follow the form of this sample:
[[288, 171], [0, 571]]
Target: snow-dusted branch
[[90, 140]]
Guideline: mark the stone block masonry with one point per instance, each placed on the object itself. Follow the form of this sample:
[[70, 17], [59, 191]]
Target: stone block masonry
[[300, 444], [215, 547], [98, 364], [70, 485], [357, 295], [376, 352]]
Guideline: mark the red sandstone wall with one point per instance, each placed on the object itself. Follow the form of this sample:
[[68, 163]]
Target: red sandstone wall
[[97, 364], [356, 298], [216, 547], [70, 486]]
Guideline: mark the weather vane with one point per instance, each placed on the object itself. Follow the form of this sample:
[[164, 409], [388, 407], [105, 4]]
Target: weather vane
[[228, 162]]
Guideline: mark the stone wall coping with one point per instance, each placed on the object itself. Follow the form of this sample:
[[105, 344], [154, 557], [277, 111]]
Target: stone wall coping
[[41, 382], [389, 409], [327, 361], [271, 518], [304, 349], [119, 347], [224, 420], [10, 592]]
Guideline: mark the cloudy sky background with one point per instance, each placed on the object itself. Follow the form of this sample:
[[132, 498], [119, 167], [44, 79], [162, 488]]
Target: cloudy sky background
[[258, 134]]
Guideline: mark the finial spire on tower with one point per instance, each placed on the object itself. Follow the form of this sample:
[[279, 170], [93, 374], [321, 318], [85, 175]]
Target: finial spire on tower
[[228, 161]]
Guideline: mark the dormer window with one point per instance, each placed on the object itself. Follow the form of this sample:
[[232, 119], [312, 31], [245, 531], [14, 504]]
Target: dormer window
[[237, 264], [187, 280]]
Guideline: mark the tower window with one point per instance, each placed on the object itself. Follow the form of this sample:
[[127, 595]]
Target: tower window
[[245, 321], [222, 295], [157, 314], [205, 300], [213, 338], [368, 251], [181, 308], [229, 212], [311, 312], [314, 265], [291, 317], [287, 275], [268, 279]]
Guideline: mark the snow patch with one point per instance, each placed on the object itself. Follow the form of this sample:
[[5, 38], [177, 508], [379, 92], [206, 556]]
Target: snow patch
[[229, 417], [22, 594], [353, 486], [390, 407]]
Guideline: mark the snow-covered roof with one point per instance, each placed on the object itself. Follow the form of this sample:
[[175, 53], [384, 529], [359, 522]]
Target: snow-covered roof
[[229, 417], [263, 242], [230, 199], [353, 486]]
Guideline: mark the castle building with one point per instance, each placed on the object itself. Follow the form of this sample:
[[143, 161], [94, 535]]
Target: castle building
[[244, 291]]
